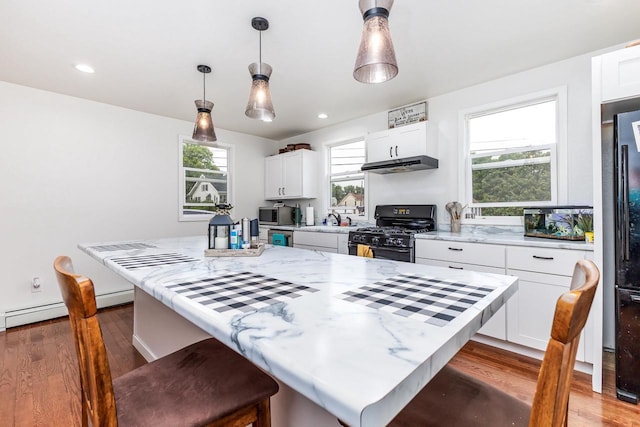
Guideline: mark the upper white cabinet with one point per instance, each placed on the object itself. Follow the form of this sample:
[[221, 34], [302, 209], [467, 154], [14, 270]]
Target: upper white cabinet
[[621, 74], [291, 175], [398, 143]]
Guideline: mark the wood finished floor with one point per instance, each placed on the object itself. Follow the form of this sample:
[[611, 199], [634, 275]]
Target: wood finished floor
[[39, 374]]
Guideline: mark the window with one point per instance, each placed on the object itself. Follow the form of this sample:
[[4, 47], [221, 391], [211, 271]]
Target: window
[[512, 157], [346, 180], [204, 179]]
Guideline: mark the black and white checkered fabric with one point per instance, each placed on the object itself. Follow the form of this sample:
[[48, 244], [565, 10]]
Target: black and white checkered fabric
[[240, 292], [155, 260], [121, 247], [427, 299]]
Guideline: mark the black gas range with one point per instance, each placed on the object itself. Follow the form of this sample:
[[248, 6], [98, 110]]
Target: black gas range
[[393, 237]]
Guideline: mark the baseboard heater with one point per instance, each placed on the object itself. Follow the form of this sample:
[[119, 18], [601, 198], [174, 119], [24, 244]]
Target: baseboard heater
[[24, 316]]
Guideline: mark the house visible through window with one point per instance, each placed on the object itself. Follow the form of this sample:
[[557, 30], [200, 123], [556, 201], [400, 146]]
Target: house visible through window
[[512, 158], [204, 175], [346, 180]]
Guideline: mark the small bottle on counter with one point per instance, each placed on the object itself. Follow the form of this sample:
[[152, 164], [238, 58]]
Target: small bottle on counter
[[234, 239]]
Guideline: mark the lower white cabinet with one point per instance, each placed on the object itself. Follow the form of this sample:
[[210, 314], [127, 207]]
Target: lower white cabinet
[[263, 235], [321, 241], [544, 274]]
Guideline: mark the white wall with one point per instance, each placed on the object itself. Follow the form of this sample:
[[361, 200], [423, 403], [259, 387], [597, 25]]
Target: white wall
[[442, 185], [77, 171]]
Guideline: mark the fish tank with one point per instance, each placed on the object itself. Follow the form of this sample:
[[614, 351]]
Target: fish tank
[[564, 222]]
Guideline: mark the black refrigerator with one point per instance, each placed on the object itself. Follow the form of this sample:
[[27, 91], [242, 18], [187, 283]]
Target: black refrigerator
[[627, 286]]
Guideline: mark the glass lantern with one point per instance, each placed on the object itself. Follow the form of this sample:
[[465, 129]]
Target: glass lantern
[[220, 230]]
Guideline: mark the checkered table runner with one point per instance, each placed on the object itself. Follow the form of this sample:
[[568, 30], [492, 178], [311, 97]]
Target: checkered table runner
[[155, 260], [121, 247], [422, 298], [240, 292]]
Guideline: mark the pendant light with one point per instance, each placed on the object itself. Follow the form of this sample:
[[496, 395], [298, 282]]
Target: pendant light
[[376, 61], [203, 129], [260, 105]]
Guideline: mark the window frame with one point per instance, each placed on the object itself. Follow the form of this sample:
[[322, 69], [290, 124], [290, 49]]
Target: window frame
[[182, 139], [328, 177], [559, 174]]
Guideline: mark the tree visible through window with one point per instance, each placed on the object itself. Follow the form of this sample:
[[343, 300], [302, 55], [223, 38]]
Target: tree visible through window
[[204, 171], [346, 179], [512, 156]]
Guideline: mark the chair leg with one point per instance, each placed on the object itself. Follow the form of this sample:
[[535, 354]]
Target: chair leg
[[264, 414]]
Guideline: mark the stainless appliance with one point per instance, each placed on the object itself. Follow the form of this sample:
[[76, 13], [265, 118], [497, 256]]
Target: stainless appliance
[[286, 240], [627, 254], [276, 215], [393, 237]]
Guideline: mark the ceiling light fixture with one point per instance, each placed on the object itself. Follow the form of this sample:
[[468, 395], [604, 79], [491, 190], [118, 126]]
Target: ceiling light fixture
[[260, 105], [322, 116], [376, 60], [85, 68], [203, 130]]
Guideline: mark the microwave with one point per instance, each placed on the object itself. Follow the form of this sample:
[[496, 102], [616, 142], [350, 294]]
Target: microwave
[[282, 215]]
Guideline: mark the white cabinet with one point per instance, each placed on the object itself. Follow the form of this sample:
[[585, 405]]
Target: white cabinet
[[544, 275], [621, 74], [468, 256], [343, 243], [464, 252], [291, 175], [316, 240], [398, 143], [336, 243], [263, 235]]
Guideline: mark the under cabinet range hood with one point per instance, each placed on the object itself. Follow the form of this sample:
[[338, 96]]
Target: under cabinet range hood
[[406, 164]]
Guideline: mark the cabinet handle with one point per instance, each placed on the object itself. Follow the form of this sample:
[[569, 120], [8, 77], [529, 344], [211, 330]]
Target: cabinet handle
[[396, 151], [390, 151], [456, 268], [283, 191], [548, 258], [455, 249], [279, 191]]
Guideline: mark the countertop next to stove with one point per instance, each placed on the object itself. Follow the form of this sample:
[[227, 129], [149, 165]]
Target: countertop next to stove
[[503, 236], [319, 228], [472, 234]]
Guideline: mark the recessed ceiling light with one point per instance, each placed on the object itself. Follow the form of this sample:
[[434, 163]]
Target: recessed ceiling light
[[85, 68], [322, 116]]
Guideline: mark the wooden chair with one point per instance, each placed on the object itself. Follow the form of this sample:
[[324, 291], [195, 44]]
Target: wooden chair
[[203, 384], [453, 398]]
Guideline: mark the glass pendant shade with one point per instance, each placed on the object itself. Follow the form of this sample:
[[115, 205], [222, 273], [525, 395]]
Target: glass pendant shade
[[203, 129], [376, 60], [260, 105]]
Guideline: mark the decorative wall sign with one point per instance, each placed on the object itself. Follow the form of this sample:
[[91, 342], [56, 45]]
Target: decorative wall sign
[[408, 114]]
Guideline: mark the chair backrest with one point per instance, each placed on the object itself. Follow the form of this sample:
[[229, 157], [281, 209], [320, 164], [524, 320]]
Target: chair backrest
[[551, 399], [98, 401]]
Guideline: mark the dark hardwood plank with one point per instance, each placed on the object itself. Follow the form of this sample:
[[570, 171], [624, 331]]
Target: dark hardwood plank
[[39, 382]]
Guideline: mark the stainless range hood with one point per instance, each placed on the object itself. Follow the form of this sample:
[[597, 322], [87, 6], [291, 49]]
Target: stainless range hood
[[407, 164]]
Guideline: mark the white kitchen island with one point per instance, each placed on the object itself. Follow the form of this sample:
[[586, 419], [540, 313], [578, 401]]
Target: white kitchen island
[[346, 337]]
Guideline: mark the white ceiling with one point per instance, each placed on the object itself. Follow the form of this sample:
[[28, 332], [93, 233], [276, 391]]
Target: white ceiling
[[145, 52]]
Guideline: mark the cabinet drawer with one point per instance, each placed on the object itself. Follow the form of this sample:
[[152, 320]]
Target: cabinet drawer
[[310, 238], [467, 253], [460, 266], [550, 261], [316, 248]]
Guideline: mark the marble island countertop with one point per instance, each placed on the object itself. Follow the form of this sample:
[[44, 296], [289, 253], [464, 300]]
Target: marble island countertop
[[320, 337]]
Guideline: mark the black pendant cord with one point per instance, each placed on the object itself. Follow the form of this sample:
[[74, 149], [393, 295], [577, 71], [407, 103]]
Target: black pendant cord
[[260, 54], [204, 88]]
